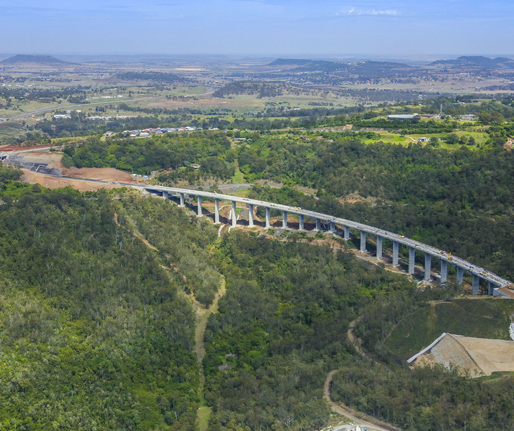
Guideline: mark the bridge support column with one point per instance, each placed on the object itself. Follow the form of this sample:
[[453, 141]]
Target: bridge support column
[[332, 227], [490, 288], [318, 225], [363, 242], [199, 206], [250, 215], [301, 224], [234, 214], [460, 275], [379, 247], [428, 266], [268, 218], [182, 200], [396, 253], [475, 285], [216, 211], [346, 233], [165, 194], [412, 259], [444, 271], [284, 220]]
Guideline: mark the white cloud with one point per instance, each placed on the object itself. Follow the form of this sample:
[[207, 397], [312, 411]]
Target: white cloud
[[359, 12]]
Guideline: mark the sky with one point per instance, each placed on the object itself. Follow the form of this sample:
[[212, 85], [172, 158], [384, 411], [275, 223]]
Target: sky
[[396, 28]]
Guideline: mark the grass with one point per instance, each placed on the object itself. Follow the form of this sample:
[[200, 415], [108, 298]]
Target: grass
[[238, 177], [392, 138], [482, 318], [203, 416]]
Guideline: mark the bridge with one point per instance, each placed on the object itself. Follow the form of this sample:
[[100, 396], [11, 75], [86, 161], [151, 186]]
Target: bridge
[[494, 282]]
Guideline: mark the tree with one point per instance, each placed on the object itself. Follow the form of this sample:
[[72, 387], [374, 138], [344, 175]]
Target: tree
[[452, 139], [434, 141]]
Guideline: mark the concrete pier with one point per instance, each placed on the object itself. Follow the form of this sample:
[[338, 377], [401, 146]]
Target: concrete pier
[[475, 285], [234, 214], [444, 271], [250, 215], [412, 259], [199, 200], [460, 275], [216, 211], [363, 242], [490, 288], [494, 281], [428, 266], [396, 253], [379, 247]]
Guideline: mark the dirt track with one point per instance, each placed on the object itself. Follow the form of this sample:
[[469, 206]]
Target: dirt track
[[104, 174], [359, 418], [52, 182]]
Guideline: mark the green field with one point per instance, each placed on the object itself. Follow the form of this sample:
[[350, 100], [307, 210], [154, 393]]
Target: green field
[[470, 317]]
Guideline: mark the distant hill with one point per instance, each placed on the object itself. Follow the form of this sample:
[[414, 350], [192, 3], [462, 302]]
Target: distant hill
[[477, 61], [289, 62], [33, 59], [367, 68]]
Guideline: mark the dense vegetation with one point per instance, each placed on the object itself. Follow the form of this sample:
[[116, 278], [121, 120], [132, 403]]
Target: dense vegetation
[[98, 334], [425, 398], [210, 150], [95, 334], [281, 328]]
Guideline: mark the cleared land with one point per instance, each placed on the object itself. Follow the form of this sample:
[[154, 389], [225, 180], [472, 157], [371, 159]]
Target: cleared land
[[56, 182], [476, 356]]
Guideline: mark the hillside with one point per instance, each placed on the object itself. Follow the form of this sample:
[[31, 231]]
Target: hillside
[[477, 61], [46, 60], [472, 318], [364, 67]]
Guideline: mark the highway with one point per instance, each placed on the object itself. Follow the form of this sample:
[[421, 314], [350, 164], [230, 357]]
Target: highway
[[424, 248], [456, 261]]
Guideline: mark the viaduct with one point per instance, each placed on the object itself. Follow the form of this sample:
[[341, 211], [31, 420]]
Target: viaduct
[[494, 282]]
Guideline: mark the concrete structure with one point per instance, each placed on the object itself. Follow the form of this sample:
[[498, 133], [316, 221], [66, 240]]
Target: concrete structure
[[495, 283], [477, 356], [379, 247], [410, 117]]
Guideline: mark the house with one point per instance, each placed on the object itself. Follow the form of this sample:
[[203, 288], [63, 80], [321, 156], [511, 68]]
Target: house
[[423, 139], [468, 117]]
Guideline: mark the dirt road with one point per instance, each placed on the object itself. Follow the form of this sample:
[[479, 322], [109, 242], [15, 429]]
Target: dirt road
[[369, 423]]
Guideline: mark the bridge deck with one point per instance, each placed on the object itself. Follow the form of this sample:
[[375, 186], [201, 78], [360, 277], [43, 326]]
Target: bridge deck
[[433, 251]]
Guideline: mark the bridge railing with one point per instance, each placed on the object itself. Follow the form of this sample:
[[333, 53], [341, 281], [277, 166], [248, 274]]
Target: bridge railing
[[494, 281]]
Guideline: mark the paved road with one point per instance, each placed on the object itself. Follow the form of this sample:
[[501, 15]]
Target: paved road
[[424, 248], [433, 251]]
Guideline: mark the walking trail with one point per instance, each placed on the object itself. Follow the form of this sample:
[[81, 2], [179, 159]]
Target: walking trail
[[202, 316]]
